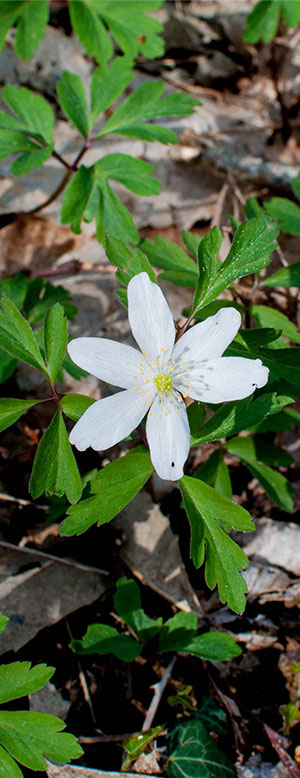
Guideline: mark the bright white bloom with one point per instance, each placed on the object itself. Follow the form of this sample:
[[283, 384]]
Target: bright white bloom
[[158, 378]]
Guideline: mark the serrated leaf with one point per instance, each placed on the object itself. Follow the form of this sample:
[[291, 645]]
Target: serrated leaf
[[11, 410], [34, 112], [145, 103], [164, 254], [55, 340], [215, 473], [17, 338], [133, 30], [104, 639], [195, 753], [224, 559], [286, 213], [18, 679], [286, 276], [54, 469], [31, 27], [208, 262], [127, 603], [76, 198], [74, 405], [90, 30], [114, 487], [8, 766], [29, 737], [238, 415], [108, 83], [133, 173], [73, 101]]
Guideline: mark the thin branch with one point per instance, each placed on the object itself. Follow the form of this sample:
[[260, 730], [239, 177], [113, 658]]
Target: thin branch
[[159, 689], [54, 194]]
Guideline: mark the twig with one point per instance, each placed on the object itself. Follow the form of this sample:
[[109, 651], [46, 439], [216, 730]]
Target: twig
[[159, 689], [52, 558], [104, 738], [54, 194], [279, 744], [83, 682], [20, 501]]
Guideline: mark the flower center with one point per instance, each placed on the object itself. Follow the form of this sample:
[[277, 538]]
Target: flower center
[[163, 382]]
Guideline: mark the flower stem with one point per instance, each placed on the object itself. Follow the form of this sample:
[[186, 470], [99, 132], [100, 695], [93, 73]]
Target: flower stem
[[65, 180]]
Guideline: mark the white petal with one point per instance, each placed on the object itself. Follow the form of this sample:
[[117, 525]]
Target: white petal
[[209, 338], [168, 435], [227, 378], [149, 316], [106, 359], [108, 421]]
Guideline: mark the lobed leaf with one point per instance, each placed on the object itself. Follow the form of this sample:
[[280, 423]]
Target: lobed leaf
[[18, 679], [238, 415], [31, 737], [17, 338], [32, 23], [103, 639], [11, 410], [54, 469]]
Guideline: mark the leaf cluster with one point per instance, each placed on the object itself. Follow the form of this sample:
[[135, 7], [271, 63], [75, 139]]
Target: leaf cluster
[[178, 634], [193, 747], [263, 20]]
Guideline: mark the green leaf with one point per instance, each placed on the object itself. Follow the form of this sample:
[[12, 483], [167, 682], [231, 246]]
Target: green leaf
[[133, 173], [103, 639], [7, 366], [11, 410], [263, 21], [215, 473], [9, 11], [31, 27], [291, 12], [19, 679], [73, 101], [290, 715], [286, 276], [90, 30], [127, 603], [30, 159], [253, 449], [13, 141], [137, 744], [213, 646], [137, 263], [8, 766], [108, 83], [35, 114], [164, 254], [17, 338], [41, 296], [208, 262], [283, 363], [3, 622], [177, 632], [114, 487], [238, 415], [284, 420], [29, 737], [74, 405], [261, 337], [132, 29], [55, 339], [15, 288], [113, 218], [212, 717], [287, 214], [191, 241], [195, 754], [275, 485], [54, 469], [76, 197], [295, 182], [224, 559]]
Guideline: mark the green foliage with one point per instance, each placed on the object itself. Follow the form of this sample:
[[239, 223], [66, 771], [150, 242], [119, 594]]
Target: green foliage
[[54, 469], [128, 605], [128, 262], [30, 130], [11, 410], [180, 634], [3, 622], [73, 101], [31, 19], [55, 340], [208, 511], [254, 451], [104, 639], [264, 18], [26, 736], [286, 276], [238, 415], [193, 752], [270, 317], [132, 28], [136, 745], [178, 266], [291, 716], [113, 488], [74, 405], [286, 212], [215, 473], [17, 337]]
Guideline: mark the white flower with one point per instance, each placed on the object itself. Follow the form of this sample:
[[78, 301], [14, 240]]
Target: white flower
[[158, 378]]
